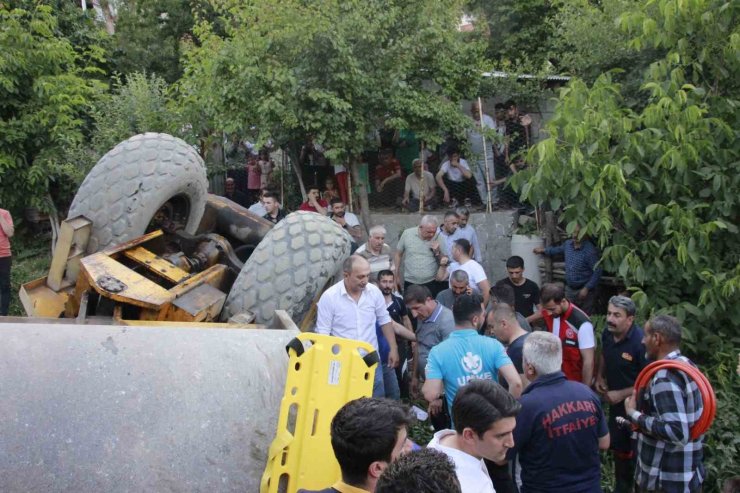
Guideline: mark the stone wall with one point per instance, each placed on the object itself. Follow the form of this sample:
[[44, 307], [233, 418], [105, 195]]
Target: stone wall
[[494, 235]]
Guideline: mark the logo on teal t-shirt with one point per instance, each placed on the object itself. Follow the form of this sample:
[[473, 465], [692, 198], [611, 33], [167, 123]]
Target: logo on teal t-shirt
[[472, 364], [463, 357]]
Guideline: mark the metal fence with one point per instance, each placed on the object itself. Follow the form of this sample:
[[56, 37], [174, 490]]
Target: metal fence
[[400, 173]]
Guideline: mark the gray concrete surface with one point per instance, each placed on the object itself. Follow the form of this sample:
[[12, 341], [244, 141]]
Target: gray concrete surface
[[494, 235], [134, 409]]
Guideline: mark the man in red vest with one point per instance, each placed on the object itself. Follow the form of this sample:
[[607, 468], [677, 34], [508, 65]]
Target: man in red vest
[[574, 329]]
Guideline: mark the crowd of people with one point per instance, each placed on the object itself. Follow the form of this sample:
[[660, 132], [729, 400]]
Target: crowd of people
[[399, 171], [509, 372]]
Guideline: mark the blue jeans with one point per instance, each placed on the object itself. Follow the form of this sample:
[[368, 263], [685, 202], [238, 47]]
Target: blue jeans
[[378, 386], [390, 383]]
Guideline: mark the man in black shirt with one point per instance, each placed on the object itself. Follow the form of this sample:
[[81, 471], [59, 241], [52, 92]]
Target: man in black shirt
[[526, 292], [270, 202], [502, 324], [622, 358]]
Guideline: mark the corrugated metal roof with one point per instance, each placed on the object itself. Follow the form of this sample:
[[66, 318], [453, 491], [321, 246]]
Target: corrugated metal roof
[[503, 75]]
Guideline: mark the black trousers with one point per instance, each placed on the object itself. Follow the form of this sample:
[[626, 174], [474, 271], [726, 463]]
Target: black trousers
[[624, 473], [441, 421], [5, 285], [461, 190]]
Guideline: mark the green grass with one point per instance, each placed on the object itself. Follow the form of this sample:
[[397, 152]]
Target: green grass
[[31, 260]]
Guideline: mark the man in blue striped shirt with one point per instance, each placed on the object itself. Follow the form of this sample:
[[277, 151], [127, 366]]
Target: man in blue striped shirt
[[582, 275]]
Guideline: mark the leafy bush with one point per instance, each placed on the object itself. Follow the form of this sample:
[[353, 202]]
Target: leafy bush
[[722, 450], [140, 103], [45, 95], [656, 184]]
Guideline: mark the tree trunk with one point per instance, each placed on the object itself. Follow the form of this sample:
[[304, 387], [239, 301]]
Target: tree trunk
[[110, 19], [294, 152], [361, 192]]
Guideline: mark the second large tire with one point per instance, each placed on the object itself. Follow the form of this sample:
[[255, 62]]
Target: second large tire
[[133, 181], [289, 267]]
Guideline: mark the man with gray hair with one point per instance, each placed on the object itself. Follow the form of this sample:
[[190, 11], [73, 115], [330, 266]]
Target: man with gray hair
[[622, 359], [351, 308], [423, 255], [419, 184], [377, 252], [668, 458], [459, 284], [561, 427]]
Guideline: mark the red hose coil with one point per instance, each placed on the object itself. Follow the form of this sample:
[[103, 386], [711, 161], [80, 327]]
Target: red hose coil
[[705, 388]]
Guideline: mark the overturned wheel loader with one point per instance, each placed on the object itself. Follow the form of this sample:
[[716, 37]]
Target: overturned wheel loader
[[145, 242], [122, 377]]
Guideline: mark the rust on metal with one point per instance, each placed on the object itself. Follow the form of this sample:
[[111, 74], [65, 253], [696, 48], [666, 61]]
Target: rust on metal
[[39, 300]]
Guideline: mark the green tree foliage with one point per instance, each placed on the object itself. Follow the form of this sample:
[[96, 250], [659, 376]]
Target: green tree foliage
[[657, 185], [85, 33], [519, 31], [148, 37], [46, 90], [334, 69], [588, 40], [140, 104]]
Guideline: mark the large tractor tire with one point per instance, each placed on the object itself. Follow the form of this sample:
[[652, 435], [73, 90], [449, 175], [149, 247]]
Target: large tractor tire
[[289, 267], [134, 181]]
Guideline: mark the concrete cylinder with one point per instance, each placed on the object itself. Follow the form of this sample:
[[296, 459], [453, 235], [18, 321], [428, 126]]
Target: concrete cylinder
[[113, 408]]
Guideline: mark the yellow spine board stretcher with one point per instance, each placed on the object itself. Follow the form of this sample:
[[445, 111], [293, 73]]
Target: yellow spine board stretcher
[[324, 373]]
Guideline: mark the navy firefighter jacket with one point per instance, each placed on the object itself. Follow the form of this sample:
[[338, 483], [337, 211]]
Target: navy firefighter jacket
[[557, 436]]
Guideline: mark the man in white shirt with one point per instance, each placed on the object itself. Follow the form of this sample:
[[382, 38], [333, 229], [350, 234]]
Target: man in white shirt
[[452, 177], [351, 308], [347, 220], [477, 277], [485, 416]]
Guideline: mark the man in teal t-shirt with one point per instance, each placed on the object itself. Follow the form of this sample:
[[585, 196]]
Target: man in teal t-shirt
[[466, 355]]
